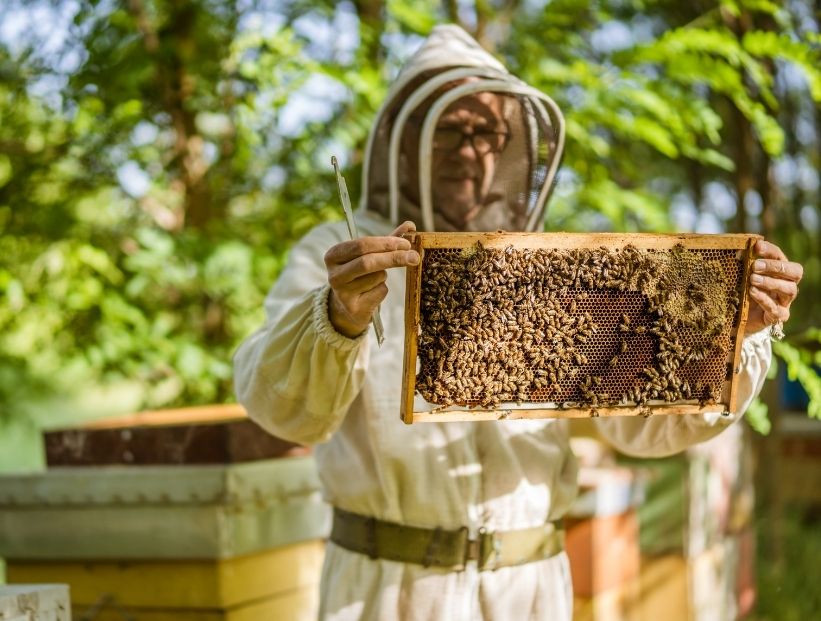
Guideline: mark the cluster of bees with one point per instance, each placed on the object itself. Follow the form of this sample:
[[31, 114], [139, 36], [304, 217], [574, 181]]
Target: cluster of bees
[[513, 325]]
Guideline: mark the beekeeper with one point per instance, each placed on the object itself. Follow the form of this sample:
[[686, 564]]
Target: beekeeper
[[445, 521]]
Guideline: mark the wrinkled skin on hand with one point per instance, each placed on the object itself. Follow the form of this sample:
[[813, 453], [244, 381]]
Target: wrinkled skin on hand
[[773, 287], [357, 271]]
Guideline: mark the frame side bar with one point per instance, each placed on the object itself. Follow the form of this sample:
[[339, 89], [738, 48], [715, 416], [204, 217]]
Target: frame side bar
[[744, 309], [413, 284]]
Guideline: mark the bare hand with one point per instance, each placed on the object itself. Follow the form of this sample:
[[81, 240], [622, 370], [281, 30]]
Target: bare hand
[[773, 287], [357, 271]]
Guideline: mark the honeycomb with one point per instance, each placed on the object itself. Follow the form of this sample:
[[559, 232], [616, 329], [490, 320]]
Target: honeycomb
[[578, 327]]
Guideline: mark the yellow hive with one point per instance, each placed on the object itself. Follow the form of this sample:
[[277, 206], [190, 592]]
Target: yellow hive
[[276, 584]]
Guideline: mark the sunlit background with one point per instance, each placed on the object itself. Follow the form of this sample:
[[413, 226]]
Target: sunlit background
[[158, 158]]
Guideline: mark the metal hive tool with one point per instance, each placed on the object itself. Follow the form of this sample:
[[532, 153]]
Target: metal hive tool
[[534, 325]]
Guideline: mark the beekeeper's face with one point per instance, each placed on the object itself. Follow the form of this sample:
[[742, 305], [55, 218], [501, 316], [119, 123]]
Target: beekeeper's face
[[469, 136]]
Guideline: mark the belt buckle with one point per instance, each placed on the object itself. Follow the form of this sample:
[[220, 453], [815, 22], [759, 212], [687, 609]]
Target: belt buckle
[[474, 547], [488, 549], [472, 550]]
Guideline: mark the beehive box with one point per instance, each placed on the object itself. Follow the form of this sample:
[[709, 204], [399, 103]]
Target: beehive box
[[716, 584], [281, 583], [202, 435], [696, 499], [602, 532], [534, 325], [34, 602], [161, 512]]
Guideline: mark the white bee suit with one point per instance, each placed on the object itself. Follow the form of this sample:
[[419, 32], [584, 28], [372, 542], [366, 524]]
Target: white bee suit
[[303, 381]]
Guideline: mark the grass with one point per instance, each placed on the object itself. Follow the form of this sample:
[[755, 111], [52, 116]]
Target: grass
[[788, 587]]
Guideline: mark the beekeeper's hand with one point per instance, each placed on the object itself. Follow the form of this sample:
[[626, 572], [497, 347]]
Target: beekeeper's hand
[[357, 271], [773, 287]]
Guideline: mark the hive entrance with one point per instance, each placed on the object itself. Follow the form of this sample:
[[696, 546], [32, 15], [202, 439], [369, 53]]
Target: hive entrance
[[500, 321]]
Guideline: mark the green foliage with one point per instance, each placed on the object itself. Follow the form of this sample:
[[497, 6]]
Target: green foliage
[[780, 46], [801, 367], [757, 417], [146, 295], [786, 590], [758, 412], [117, 296], [802, 357], [418, 16]]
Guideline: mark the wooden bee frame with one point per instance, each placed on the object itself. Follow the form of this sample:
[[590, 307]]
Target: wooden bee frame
[[734, 252]]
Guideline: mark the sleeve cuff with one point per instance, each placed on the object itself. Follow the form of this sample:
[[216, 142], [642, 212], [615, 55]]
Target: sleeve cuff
[[323, 326], [757, 341]]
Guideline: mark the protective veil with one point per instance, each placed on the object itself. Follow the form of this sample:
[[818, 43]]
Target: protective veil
[[451, 66], [302, 380]]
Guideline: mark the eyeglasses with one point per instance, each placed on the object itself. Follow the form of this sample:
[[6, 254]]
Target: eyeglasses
[[483, 142]]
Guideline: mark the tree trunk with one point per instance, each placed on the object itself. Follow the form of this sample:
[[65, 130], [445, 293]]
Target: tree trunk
[[371, 26], [744, 179], [166, 46], [695, 177], [745, 146]]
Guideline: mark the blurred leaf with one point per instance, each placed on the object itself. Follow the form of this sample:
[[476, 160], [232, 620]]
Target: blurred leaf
[[756, 416], [148, 199], [799, 368]]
